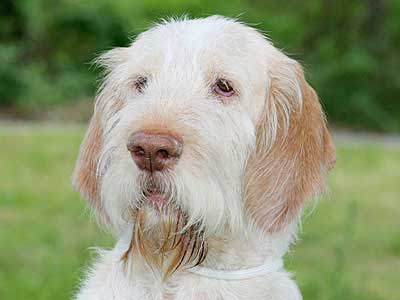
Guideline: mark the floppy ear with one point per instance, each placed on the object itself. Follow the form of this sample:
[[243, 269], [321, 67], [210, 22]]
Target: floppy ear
[[85, 179], [293, 151]]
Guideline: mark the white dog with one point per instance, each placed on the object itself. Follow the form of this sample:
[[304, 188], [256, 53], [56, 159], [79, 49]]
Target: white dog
[[204, 145]]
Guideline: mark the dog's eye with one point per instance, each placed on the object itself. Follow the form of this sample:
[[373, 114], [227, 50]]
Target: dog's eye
[[140, 83], [224, 88]]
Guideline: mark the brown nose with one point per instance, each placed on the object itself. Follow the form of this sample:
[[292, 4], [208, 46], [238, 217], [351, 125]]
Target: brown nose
[[152, 151]]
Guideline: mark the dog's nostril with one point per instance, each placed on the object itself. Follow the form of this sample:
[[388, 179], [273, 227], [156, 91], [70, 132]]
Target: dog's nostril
[[162, 153], [139, 151]]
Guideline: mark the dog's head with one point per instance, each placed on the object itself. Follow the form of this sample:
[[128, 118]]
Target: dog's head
[[203, 124]]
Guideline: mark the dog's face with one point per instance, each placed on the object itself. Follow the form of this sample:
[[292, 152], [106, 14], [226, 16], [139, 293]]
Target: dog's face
[[203, 123]]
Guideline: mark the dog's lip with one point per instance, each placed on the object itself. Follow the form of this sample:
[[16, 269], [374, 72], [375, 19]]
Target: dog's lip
[[155, 198]]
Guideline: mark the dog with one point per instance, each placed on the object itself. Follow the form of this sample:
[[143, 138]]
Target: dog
[[205, 143]]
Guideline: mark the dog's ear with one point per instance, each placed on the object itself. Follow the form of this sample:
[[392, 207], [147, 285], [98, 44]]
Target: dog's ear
[[85, 179], [293, 151]]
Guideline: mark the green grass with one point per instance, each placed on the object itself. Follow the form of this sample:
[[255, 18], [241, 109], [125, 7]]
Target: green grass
[[349, 247]]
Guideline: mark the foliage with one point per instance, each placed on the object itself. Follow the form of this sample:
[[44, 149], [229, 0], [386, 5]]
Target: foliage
[[349, 48]]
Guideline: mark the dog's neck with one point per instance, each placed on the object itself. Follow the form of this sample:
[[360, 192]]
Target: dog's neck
[[246, 251], [238, 252]]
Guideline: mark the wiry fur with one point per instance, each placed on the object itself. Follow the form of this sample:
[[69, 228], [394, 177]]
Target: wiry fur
[[235, 196]]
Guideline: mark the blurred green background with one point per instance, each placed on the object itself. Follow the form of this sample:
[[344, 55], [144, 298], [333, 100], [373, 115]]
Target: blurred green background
[[349, 249], [350, 49]]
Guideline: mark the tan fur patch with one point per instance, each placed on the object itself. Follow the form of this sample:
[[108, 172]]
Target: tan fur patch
[[166, 247], [279, 177], [84, 177]]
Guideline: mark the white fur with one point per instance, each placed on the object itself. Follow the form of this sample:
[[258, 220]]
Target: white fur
[[109, 279], [182, 58]]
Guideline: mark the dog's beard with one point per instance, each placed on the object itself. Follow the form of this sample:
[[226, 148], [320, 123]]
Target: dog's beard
[[163, 237]]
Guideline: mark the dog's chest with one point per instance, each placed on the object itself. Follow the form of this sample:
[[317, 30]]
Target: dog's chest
[[110, 281], [191, 287]]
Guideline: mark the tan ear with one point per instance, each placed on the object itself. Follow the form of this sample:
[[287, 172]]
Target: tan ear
[[293, 151], [85, 179]]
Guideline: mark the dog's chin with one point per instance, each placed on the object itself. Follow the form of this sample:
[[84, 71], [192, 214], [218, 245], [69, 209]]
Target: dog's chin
[[158, 211], [162, 235], [155, 200]]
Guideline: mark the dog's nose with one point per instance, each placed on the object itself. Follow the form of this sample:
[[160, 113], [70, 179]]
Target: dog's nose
[[154, 151]]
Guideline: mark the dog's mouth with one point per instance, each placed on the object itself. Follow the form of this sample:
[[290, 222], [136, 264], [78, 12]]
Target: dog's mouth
[[155, 197]]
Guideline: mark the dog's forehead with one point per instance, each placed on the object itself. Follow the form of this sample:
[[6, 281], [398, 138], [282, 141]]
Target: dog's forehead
[[214, 40]]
